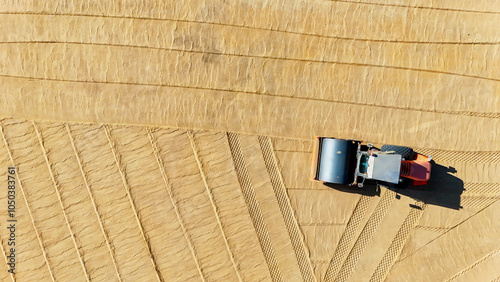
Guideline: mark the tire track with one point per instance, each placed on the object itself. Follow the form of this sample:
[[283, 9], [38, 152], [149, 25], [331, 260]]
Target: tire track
[[398, 243], [465, 270], [200, 167], [480, 195], [478, 203], [481, 189], [461, 156], [365, 236], [131, 200], [26, 203], [49, 167], [292, 226], [342, 250], [168, 187], [433, 228], [96, 211], [253, 206]]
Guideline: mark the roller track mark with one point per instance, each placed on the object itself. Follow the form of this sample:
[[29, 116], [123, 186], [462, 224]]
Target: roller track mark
[[209, 192], [398, 243], [320, 224], [432, 228], [342, 250], [168, 187], [285, 206], [480, 195], [253, 206], [26, 203], [309, 189], [461, 156], [366, 235], [475, 114], [54, 181], [481, 260], [131, 200], [96, 211], [478, 202], [292, 151], [481, 189], [416, 7], [38, 13]]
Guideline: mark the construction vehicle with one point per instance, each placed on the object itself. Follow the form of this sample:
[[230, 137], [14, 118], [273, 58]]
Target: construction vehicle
[[349, 162]]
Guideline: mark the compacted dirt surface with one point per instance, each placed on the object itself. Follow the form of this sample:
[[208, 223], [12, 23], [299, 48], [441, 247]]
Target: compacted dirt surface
[[172, 140]]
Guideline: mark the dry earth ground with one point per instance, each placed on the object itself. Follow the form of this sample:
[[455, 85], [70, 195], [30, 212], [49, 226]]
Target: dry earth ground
[[171, 140]]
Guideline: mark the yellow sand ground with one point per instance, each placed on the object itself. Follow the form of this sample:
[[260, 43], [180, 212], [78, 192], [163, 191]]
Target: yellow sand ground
[[171, 140]]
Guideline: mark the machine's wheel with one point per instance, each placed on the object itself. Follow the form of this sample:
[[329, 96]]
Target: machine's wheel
[[406, 152]]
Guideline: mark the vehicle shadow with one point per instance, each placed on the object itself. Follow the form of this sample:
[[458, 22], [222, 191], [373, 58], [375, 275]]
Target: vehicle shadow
[[443, 189], [368, 189]]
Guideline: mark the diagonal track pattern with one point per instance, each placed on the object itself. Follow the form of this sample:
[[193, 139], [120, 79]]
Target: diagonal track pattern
[[111, 199], [345, 243], [102, 257], [210, 195], [286, 210], [77, 248], [194, 204], [397, 244], [365, 236], [253, 207], [168, 187], [132, 204]]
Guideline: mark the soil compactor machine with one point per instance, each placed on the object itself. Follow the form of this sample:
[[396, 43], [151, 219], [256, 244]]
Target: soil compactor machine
[[348, 162]]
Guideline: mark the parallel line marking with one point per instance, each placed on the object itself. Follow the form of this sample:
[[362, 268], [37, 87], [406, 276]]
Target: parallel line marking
[[303, 60], [156, 152], [132, 204], [214, 207], [285, 206], [416, 7], [41, 13], [49, 167], [253, 206], [96, 211], [263, 94], [27, 205]]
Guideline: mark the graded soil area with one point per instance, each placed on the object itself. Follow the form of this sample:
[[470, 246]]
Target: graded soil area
[[172, 140]]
